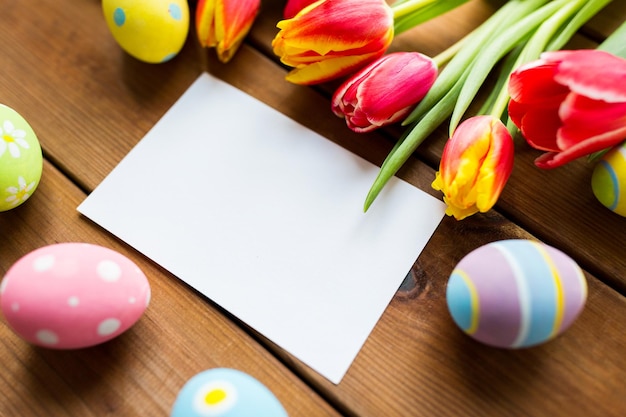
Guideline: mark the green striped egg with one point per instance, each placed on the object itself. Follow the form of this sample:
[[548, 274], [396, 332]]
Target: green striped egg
[[608, 180], [516, 293]]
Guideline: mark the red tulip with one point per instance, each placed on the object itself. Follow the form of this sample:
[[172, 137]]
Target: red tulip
[[223, 24], [385, 91], [294, 6], [570, 104], [475, 166], [333, 38]]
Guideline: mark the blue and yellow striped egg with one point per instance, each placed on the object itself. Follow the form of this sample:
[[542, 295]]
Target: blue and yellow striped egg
[[608, 180], [226, 392], [152, 31], [516, 293]]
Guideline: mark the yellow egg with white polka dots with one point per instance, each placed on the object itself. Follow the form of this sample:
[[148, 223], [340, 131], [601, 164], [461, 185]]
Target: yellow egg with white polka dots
[[152, 31]]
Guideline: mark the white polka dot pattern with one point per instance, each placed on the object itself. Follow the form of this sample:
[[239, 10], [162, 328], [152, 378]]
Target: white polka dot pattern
[[109, 271], [43, 263], [73, 301], [47, 337], [73, 295], [108, 327]]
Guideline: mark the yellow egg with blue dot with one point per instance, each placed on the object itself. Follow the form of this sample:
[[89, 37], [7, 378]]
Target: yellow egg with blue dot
[[21, 161], [228, 393], [608, 180], [152, 31]]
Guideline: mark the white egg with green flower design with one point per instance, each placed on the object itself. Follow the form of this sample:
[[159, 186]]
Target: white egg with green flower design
[[21, 161]]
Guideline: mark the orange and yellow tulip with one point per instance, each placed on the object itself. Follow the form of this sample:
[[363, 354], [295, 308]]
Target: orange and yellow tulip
[[292, 7], [475, 166], [223, 24], [333, 38]]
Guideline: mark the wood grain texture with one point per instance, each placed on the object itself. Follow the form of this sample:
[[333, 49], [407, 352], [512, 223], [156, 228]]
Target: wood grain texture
[[140, 372], [533, 198], [90, 104], [417, 360]]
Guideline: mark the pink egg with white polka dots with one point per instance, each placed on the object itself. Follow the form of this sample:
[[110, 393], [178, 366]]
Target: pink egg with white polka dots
[[73, 295]]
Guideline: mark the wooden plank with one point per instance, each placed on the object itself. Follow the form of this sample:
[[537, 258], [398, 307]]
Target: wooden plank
[[533, 198], [88, 101], [91, 103], [607, 20], [416, 361], [140, 372]]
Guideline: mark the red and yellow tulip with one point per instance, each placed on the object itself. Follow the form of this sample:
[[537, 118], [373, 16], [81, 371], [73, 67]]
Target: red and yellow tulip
[[570, 104], [372, 97], [223, 24], [332, 38], [475, 166], [292, 7]]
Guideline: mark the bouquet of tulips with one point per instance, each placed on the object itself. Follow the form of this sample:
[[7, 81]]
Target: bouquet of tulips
[[566, 103]]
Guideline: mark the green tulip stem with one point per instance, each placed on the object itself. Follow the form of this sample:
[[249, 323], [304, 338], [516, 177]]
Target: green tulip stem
[[444, 57], [473, 44], [534, 46], [494, 51], [405, 148], [409, 13], [587, 11], [616, 42], [523, 29], [438, 104], [405, 8]]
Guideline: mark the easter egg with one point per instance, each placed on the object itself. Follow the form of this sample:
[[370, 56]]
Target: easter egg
[[21, 161], [608, 180], [152, 31], [515, 293], [73, 295], [227, 393]]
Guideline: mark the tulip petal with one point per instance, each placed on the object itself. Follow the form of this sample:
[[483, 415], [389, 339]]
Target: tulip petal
[[534, 84], [539, 125], [223, 24], [584, 118], [326, 70], [293, 7], [597, 143], [579, 71], [235, 18], [340, 30], [333, 38], [205, 23], [414, 72], [370, 98], [475, 166]]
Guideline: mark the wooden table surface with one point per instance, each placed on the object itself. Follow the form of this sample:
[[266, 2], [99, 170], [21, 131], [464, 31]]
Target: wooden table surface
[[90, 103]]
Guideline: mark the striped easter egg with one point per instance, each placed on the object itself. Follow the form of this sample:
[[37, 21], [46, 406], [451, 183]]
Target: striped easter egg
[[515, 293], [608, 180]]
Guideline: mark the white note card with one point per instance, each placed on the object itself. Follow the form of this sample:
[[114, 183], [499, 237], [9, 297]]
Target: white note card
[[265, 218]]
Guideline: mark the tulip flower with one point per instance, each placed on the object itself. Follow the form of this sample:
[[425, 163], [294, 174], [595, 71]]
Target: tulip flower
[[371, 98], [333, 38], [294, 6], [570, 104], [223, 24], [515, 34], [475, 166]]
